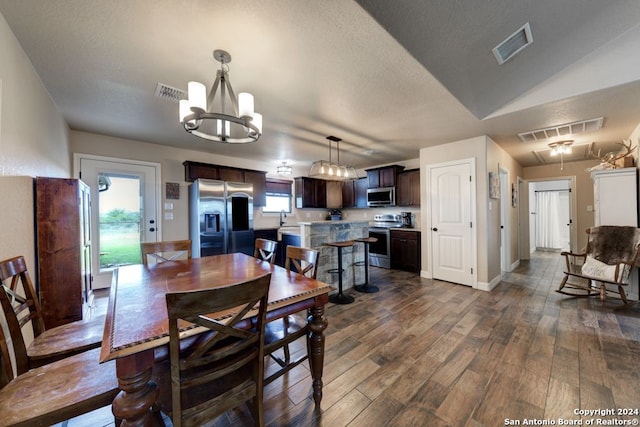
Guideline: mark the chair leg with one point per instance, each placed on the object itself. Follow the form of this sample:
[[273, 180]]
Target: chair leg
[[623, 295], [603, 292], [564, 282]]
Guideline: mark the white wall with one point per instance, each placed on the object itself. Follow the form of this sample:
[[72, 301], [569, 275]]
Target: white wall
[[33, 142]]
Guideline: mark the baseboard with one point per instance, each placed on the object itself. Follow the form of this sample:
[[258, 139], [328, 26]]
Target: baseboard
[[484, 286]]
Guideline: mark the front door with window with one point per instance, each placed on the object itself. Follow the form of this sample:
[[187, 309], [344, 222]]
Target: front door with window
[[124, 212]]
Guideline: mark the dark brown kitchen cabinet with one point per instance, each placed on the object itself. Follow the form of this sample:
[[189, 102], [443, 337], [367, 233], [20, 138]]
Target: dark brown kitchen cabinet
[[334, 194], [354, 193], [408, 188], [405, 250], [259, 181], [386, 176], [230, 174], [63, 249], [195, 170], [310, 193]]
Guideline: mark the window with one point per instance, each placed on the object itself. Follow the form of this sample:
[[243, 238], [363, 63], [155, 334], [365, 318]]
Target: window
[[278, 193]]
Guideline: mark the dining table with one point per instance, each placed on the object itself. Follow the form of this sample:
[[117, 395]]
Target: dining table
[[137, 328]]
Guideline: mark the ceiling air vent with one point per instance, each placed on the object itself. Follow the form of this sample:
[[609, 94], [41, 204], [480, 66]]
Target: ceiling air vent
[[513, 44], [170, 93], [583, 126]]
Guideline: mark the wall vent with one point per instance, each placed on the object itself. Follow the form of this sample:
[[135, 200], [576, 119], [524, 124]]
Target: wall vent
[[513, 44], [170, 93], [583, 126]]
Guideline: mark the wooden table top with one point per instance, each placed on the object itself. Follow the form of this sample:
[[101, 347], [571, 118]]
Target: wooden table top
[[137, 312]]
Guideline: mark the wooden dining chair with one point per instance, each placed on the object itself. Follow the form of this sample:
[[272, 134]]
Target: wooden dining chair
[[265, 250], [165, 251], [280, 333], [222, 367], [55, 392], [21, 307]]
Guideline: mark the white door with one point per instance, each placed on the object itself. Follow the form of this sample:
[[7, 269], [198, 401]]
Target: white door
[[124, 210], [451, 222]]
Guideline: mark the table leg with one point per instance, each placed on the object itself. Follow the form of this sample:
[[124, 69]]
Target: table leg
[[317, 324], [133, 405]]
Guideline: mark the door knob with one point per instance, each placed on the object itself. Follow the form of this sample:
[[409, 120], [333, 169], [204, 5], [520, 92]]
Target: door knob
[[435, 228], [152, 229]]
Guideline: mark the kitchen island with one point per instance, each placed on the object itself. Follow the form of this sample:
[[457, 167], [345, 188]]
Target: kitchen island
[[316, 234]]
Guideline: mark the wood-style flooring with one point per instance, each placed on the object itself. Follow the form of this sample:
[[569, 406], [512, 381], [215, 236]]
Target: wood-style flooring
[[430, 353]]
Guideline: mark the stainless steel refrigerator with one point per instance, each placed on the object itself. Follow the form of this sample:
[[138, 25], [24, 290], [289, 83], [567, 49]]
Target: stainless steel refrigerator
[[220, 217]]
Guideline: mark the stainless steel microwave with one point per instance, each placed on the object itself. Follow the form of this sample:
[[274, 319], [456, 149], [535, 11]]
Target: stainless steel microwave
[[378, 197]]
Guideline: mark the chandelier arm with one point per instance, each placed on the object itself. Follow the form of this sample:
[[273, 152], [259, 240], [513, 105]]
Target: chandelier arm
[[212, 92], [232, 95]]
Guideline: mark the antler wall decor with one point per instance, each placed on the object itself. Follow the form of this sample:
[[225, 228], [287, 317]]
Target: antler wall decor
[[610, 158]]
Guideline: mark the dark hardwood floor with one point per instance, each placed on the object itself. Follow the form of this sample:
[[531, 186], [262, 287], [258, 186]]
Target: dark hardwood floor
[[430, 353]]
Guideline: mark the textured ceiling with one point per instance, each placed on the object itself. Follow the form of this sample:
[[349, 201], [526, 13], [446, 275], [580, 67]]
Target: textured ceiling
[[388, 78]]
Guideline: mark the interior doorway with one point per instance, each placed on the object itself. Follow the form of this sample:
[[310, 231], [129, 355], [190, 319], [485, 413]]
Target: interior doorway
[[505, 221], [551, 210]]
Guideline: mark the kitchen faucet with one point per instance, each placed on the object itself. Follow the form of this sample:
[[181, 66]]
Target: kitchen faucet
[[282, 215]]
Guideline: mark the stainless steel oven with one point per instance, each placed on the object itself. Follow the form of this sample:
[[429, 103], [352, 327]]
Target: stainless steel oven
[[380, 251]]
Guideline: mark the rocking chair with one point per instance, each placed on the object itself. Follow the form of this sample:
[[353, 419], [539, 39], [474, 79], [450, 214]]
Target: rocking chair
[[605, 265]]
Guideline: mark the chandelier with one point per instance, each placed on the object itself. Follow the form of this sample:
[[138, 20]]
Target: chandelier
[[284, 169], [332, 171], [236, 123], [561, 148]]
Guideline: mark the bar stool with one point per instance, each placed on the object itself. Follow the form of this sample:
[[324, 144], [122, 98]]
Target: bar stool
[[366, 287], [340, 298]]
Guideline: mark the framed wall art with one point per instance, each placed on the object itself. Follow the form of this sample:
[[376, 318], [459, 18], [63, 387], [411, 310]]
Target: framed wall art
[[494, 185]]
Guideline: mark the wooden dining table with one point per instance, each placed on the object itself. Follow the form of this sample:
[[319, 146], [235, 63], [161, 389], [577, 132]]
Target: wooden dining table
[[137, 329]]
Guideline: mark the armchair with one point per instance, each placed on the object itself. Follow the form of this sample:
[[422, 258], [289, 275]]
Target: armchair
[[604, 267]]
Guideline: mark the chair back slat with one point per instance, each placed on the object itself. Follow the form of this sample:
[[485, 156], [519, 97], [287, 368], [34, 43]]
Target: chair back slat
[[19, 310], [224, 356], [304, 260], [265, 250], [165, 251], [6, 371]]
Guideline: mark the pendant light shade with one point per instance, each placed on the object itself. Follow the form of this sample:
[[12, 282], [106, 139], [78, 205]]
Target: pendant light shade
[[328, 170]]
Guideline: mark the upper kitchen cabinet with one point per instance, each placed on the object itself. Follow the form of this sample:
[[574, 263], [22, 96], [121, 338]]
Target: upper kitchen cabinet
[[195, 170], [310, 193], [230, 174], [408, 188], [354, 193], [259, 181], [334, 194], [386, 176]]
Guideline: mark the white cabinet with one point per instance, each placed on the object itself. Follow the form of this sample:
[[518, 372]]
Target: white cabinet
[[616, 196]]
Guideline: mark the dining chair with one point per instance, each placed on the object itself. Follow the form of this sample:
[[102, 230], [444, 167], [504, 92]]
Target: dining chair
[[55, 392], [165, 251], [21, 307], [280, 333], [222, 367], [265, 250]]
